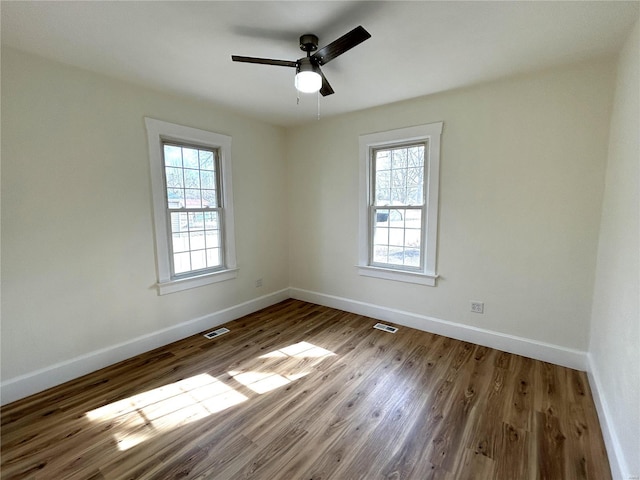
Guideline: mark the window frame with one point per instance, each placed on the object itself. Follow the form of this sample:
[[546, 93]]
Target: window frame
[[159, 132], [430, 135]]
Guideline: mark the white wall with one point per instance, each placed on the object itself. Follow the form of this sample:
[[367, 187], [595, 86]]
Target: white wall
[[615, 324], [522, 171], [78, 265]]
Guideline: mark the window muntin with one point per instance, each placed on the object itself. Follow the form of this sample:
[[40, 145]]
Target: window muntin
[[398, 204], [194, 208]]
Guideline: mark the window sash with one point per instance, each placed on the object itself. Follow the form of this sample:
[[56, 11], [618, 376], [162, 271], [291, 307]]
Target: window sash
[[219, 210], [374, 208], [373, 216], [220, 247], [374, 171]]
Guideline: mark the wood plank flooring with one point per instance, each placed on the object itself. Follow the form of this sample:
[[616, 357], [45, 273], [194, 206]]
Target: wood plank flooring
[[303, 392]]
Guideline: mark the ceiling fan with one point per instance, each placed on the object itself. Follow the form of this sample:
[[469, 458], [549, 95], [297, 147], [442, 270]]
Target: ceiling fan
[[309, 78]]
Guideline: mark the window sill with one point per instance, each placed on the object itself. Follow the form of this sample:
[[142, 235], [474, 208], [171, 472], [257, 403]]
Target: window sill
[[172, 286], [428, 279]]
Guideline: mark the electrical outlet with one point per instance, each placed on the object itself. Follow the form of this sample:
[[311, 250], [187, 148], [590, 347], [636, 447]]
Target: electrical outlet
[[258, 283], [477, 307]]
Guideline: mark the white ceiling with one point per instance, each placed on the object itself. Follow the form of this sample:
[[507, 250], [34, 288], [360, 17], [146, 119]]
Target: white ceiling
[[417, 48]]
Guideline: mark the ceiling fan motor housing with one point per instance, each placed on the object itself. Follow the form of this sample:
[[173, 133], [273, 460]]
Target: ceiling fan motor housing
[[308, 42], [307, 65]]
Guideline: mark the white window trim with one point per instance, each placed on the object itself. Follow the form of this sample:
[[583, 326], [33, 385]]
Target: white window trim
[[157, 131], [431, 133]]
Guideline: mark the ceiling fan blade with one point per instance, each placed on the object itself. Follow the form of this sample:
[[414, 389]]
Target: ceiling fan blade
[[264, 61], [341, 45], [326, 88]]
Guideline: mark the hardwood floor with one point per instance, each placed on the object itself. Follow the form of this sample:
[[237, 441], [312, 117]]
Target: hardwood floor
[[299, 391]]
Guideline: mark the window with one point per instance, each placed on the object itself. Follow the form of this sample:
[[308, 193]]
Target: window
[[193, 208], [399, 172], [193, 212]]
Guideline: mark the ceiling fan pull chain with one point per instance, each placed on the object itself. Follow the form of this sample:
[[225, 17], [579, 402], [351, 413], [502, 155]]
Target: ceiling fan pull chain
[[318, 94]]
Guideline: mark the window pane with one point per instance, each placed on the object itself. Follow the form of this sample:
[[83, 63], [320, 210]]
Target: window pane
[[396, 236], [383, 160], [399, 179], [181, 262], [210, 220], [412, 237], [175, 198], [191, 178], [414, 196], [193, 198], [196, 240], [213, 257], [413, 218], [196, 221], [381, 254], [212, 238], [179, 222], [414, 177], [206, 159], [172, 156], [207, 179], [399, 158], [383, 187], [381, 236], [180, 242], [399, 196], [416, 156], [190, 158], [209, 199], [412, 257], [174, 177], [396, 255], [382, 217], [198, 260]]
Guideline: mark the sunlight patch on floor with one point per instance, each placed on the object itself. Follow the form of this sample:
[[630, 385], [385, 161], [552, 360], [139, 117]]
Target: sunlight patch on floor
[[300, 350], [148, 414], [142, 416], [260, 382]]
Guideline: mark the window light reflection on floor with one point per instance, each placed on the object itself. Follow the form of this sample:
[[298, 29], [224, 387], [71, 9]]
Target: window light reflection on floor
[[262, 382], [142, 416], [300, 350], [145, 415]]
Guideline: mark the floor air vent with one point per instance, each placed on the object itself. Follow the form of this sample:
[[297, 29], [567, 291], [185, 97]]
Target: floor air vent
[[216, 333], [385, 328]]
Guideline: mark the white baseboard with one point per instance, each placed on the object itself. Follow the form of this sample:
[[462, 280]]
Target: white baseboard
[[619, 469], [25, 385], [546, 352]]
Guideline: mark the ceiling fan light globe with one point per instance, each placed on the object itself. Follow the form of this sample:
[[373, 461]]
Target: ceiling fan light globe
[[308, 82]]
